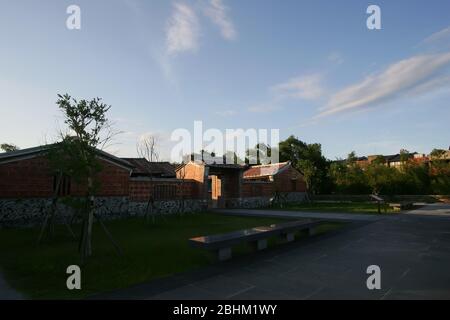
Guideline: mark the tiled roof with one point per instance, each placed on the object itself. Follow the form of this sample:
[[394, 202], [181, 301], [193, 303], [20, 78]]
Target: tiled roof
[[40, 150], [265, 170], [397, 157], [142, 167]]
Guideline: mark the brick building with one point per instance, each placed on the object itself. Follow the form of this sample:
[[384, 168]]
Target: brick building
[[128, 185], [27, 187], [158, 181], [263, 182], [283, 176], [218, 184], [26, 174], [233, 185]]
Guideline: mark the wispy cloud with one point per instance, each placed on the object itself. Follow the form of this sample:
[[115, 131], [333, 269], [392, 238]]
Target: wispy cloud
[[307, 87], [409, 76], [304, 87], [218, 13], [183, 29], [441, 35]]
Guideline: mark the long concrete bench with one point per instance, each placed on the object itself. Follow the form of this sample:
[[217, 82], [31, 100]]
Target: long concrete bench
[[406, 205], [222, 243]]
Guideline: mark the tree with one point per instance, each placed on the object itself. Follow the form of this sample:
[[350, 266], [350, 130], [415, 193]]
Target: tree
[[348, 179], [291, 149], [309, 171], [8, 147], [76, 155], [405, 155], [437, 153], [382, 179], [379, 160], [294, 150], [352, 158], [439, 173], [147, 149]]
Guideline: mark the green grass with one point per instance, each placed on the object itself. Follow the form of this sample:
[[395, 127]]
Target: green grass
[[341, 207], [150, 251]]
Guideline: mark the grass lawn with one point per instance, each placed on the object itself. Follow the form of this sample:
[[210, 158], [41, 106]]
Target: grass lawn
[[342, 207], [150, 251]]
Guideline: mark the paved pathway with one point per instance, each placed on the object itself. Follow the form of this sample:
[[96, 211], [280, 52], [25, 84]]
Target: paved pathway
[[301, 214], [6, 292], [412, 250], [435, 209]]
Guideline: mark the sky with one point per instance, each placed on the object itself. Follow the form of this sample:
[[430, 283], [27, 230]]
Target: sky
[[308, 68]]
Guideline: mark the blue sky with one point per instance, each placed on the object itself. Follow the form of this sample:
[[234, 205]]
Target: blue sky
[[309, 68]]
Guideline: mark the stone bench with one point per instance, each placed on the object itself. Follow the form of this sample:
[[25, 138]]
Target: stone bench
[[258, 236]]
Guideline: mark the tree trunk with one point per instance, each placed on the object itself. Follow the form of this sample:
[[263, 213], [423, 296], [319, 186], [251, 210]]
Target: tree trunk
[[88, 220], [48, 227]]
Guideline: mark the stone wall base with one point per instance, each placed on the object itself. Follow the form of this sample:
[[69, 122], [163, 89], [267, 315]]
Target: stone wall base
[[32, 212], [261, 202]]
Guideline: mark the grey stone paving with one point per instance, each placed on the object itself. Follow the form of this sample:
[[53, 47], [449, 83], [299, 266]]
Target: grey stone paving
[[412, 250], [6, 292], [302, 214], [434, 209]]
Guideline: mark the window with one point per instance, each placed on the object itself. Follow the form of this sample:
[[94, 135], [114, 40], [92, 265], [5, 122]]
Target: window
[[64, 185], [165, 191]]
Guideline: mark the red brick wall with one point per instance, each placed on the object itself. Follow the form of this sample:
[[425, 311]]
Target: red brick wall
[[257, 189], [114, 180], [140, 190], [192, 171], [32, 178], [289, 180], [25, 178]]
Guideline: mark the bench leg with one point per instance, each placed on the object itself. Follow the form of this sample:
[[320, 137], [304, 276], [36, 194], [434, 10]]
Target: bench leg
[[260, 244], [289, 237], [224, 254]]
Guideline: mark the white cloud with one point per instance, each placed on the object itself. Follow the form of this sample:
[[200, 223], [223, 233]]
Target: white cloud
[[305, 87], [438, 36], [402, 78], [218, 13], [183, 30]]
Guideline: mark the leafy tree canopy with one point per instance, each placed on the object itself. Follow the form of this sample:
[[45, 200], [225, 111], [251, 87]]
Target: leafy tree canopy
[[8, 147]]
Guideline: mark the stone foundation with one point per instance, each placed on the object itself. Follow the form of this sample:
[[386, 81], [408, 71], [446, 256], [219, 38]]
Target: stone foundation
[[168, 207], [261, 202], [32, 212]]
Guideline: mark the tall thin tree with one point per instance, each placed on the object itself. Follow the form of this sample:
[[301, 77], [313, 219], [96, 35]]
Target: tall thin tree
[[77, 156]]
